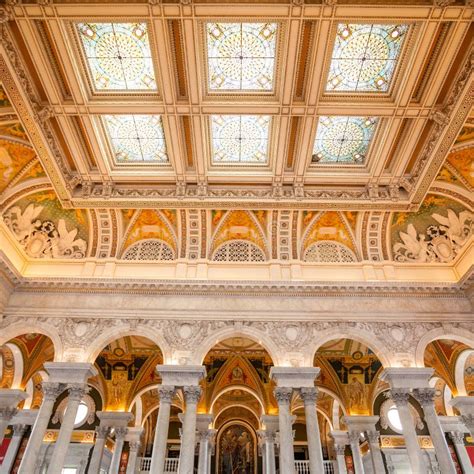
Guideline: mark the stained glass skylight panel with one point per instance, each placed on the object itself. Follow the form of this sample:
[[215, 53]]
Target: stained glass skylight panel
[[241, 56], [136, 138], [118, 56], [365, 57], [343, 139], [240, 139]]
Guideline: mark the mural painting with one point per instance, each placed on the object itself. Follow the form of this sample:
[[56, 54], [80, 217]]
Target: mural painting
[[237, 450]]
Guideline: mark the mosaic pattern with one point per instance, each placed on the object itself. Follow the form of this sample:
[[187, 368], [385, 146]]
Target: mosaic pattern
[[364, 57], [241, 56], [118, 55], [240, 138], [343, 139], [136, 138]]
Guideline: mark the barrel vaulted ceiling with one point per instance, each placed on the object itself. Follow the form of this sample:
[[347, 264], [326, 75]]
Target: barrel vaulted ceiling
[[257, 133]]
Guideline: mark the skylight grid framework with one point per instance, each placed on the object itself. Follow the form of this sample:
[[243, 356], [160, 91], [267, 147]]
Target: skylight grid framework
[[118, 56], [136, 138], [365, 56], [240, 139], [241, 56]]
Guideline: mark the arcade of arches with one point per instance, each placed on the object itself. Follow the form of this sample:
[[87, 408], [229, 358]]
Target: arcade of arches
[[236, 237]]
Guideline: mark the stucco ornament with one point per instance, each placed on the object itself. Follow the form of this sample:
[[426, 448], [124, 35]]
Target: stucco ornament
[[440, 244], [43, 239]]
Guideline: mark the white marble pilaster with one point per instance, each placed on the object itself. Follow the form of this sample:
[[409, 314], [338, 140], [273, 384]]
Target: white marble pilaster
[[205, 435], [458, 440], [271, 425], [9, 400], [97, 453], [158, 455], [373, 436], [285, 422], [310, 396], [51, 390], [9, 459], [76, 393], [341, 440], [192, 394], [465, 406], [425, 397], [134, 443], [120, 434], [356, 454]]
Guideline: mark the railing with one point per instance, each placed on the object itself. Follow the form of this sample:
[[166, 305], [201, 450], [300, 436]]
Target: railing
[[171, 465], [302, 467]]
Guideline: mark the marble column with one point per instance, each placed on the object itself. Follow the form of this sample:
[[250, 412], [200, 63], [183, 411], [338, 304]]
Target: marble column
[[458, 440], [96, 459], [373, 436], [160, 440], [76, 393], [120, 434], [9, 400], [415, 454], [465, 406], [270, 424], [356, 455], [192, 394], [285, 422], [51, 390], [267, 442], [341, 440], [134, 447], [425, 397], [309, 396], [10, 456], [205, 435]]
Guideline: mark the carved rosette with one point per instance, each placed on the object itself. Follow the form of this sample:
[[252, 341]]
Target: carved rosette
[[192, 393], [283, 395]]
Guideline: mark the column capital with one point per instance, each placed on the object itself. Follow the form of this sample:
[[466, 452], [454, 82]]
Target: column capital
[[120, 433], [19, 430], [192, 393], [77, 391], [283, 395], [457, 437], [309, 395], [468, 420], [425, 396], [399, 395], [166, 393], [11, 397], [52, 390], [134, 445], [354, 436], [340, 449], [6, 414], [373, 436], [102, 432]]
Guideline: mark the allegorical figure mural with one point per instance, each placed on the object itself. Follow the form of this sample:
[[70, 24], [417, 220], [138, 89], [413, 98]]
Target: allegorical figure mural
[[236, 451]]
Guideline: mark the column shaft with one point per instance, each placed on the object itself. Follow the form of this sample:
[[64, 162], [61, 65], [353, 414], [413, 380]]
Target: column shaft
[[76, 394], [415, 454], [270, 454], [192, 394], [133, 457], [119, 440], [425, 396], [341, 459], [51, 391], [9, 459], [203, 452], [356, 456], [161, 431], [309, 396], [98, 451], [375, 451], [285, 422], [460, 447]]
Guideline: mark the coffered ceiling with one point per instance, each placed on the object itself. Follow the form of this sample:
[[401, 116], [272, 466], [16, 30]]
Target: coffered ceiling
[[229, 105]]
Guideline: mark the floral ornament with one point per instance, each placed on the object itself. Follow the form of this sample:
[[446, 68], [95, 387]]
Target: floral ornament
[[42, 239], [440, 244]]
